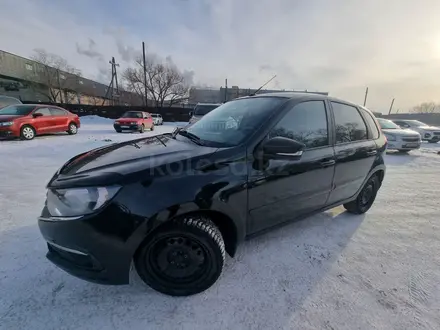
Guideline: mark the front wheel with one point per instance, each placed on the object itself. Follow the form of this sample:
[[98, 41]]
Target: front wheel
[[366, 197], [182, 258], [27, 132], [142, 129], [152, 128]]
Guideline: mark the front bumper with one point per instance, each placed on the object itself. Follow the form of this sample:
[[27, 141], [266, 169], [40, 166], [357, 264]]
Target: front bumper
[[121, 127], [88, 248], [7, 132], [403, 145]]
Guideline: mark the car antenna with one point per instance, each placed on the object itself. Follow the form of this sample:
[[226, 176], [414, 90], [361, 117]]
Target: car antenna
[[255, 93]]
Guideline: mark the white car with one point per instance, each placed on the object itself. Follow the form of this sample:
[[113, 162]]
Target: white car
[[399, 139], [157, 119], [428, 133]]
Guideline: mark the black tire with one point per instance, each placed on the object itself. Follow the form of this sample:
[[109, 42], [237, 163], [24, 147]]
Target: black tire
[[27, 132], [142, 129], [118, 131], [403, 151], [431, 141], [366, 197], [73, 129], [152, 128], [191, 246]]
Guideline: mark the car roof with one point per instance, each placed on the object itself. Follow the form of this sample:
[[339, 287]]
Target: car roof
[[303, 97]]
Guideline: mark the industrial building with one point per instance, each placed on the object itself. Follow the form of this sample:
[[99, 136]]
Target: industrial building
[[28, 81], [223, 94]]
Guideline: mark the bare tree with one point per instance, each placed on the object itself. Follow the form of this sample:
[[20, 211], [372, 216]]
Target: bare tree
[[426, 107], [165, 84], [56, 74]]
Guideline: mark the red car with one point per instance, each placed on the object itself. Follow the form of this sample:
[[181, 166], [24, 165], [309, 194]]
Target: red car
[[134, 121], [29, 120]]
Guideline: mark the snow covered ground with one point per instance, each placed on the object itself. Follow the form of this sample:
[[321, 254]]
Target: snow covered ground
[[332, 271]]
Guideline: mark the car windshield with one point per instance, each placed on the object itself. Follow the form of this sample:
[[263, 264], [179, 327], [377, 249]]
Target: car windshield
[[387, 124], [201, 110], [17, 110], [5, 101], [231, 123], [416, 123], [132, 114]]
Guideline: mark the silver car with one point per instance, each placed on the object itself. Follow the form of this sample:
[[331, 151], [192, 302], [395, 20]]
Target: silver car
[[157, 119], [399, 139], [200, 110]]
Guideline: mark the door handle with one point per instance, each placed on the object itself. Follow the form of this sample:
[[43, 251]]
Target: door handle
[[328, 162]]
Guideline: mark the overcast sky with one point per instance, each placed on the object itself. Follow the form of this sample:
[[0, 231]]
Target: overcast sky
[[391, 46]]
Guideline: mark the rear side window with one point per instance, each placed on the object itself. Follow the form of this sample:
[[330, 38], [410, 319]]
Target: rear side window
[[306, 123], [374, 131], [350, 126], [5, 101], [58, 112]]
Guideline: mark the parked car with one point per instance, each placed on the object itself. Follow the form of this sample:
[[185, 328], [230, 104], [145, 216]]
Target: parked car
[[428, 133], [134, 121], [176, 203], [399, 139], [29, 120], [7, 100], [157, 119], [200, 110]]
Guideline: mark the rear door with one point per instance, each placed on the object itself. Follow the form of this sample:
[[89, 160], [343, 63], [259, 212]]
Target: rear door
[[60, 119], [44, 123], [284, 189], [355, 151]]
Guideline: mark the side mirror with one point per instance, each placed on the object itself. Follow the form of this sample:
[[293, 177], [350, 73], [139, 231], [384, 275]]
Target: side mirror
[[38, 114], [190, 113], [281, 147]]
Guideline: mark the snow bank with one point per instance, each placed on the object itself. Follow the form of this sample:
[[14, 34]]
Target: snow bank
[[95, 120]]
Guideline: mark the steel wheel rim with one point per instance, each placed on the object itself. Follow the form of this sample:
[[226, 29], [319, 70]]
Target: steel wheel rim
[[28, 133], [73, 128], [178, 259]]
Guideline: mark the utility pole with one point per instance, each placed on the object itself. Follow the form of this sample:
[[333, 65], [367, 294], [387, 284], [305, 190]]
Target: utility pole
[[391, 106], [145, 73], [113, 82], [59, 86], [365, 99], [226, 90]]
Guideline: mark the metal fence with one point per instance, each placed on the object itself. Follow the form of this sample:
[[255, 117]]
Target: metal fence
[[168, 114]]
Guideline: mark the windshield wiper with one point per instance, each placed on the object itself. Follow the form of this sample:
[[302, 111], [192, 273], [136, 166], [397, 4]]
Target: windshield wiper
[[191, 136]]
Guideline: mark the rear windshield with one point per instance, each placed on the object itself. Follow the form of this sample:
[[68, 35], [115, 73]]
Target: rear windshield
[[132, 114], [201, 110], [5, 101]]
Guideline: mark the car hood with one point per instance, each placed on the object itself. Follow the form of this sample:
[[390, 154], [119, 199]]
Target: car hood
[[430, 128], [114, 162], [9, 117], [401, 132]]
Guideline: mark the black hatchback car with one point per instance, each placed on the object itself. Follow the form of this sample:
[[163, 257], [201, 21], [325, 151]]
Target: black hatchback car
[[175, 204]]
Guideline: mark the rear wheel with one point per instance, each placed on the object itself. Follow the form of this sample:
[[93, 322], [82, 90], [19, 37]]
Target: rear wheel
[[182, 258], [27, 132], [142, 129], [73, 129], [152, 128], [431, 141], [366, 197]]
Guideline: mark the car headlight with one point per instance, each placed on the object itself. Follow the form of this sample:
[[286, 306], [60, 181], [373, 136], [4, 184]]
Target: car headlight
[[6, 123], [117, 122], [390, 137], [78, 201]]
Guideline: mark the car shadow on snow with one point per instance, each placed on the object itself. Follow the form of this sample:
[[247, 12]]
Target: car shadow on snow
[[263, 287]]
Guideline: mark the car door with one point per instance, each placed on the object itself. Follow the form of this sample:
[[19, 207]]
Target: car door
[[43, 123], [355, 151], [280, 190], [60, 120]]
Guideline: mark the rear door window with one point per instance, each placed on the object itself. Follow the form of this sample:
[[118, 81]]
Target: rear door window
[[349, 124], [58, 112]]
